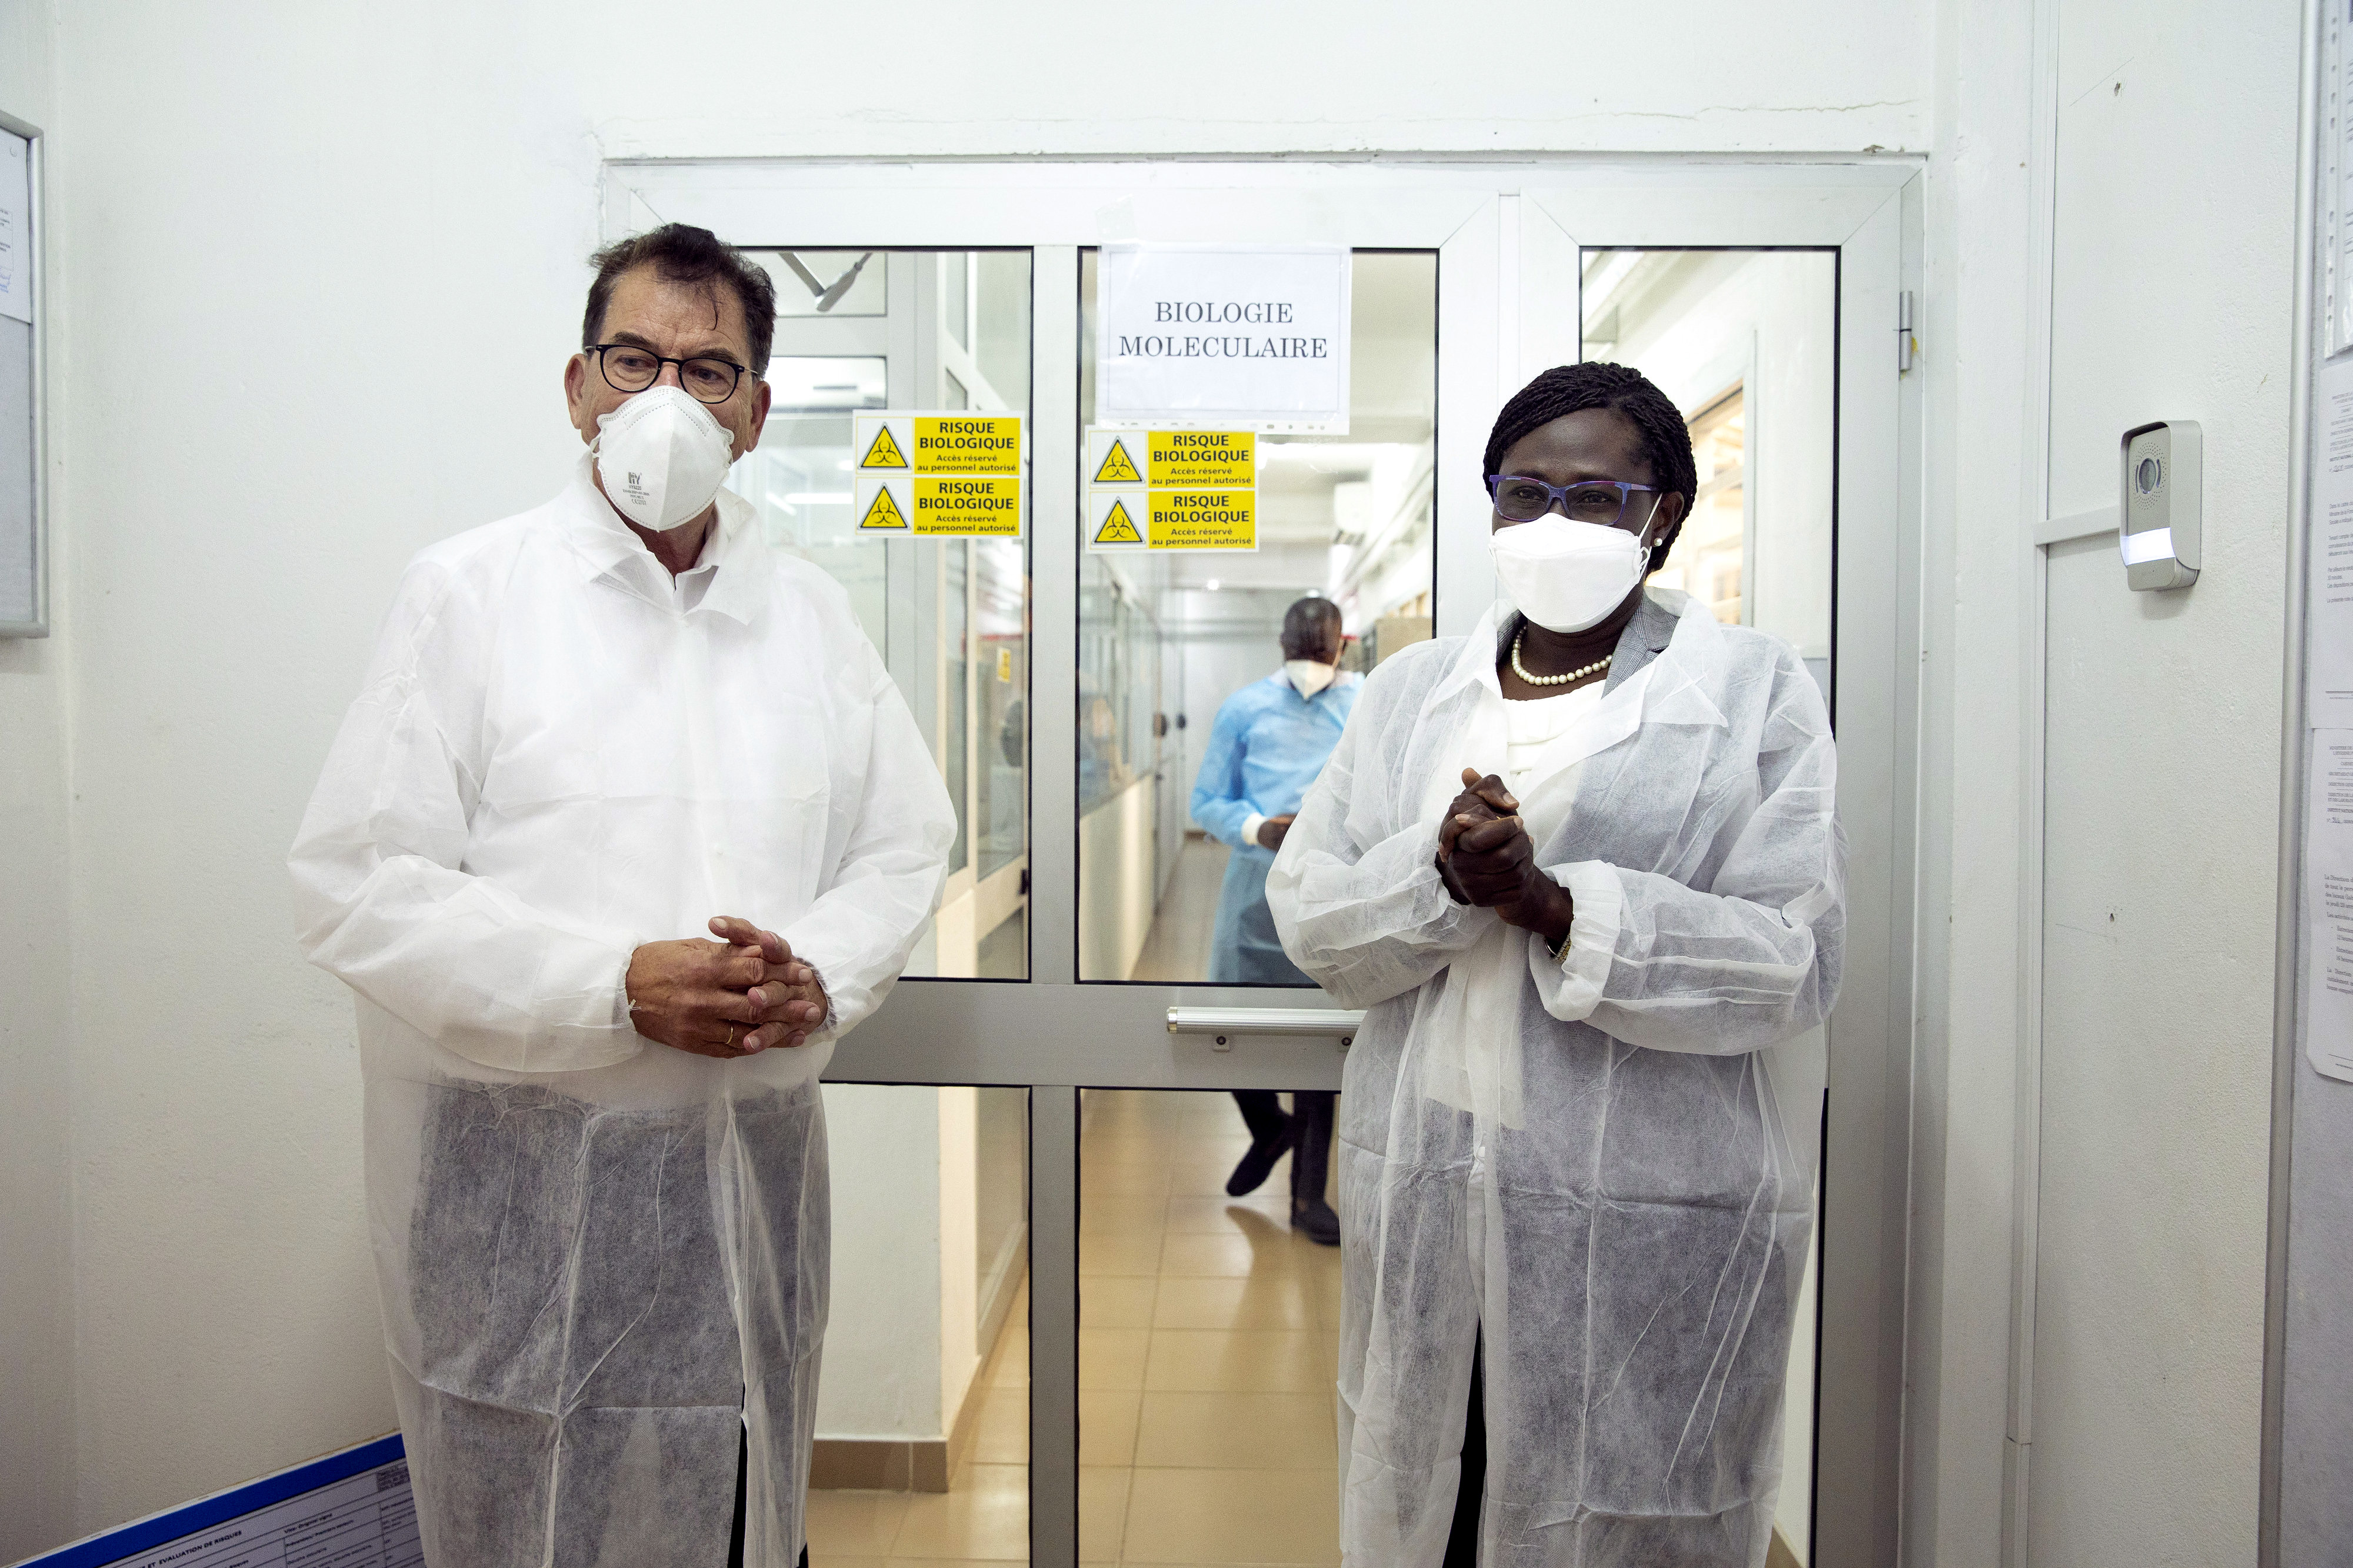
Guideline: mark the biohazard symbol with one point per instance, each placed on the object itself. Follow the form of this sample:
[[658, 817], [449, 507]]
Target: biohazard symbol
[[1118, 469], [883, 513], [1118, 527], [883, 454]]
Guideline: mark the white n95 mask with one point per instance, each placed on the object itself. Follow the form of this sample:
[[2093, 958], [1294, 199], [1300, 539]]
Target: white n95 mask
[[1308, 676], [662, 457], [1564, 575]]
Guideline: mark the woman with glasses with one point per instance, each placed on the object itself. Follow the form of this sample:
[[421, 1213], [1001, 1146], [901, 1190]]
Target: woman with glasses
[[1583, 869]]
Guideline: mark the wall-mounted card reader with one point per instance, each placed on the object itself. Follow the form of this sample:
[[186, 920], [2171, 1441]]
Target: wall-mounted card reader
[[2157, 526]]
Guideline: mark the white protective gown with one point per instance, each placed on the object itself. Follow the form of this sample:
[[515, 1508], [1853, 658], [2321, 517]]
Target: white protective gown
[[601, 1259], [1602, 1161]]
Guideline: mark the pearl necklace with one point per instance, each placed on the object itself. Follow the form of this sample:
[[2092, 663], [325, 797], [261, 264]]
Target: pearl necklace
[[1521, 670]]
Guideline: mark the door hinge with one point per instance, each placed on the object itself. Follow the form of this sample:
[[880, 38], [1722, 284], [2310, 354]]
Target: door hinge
[[1904, 342]]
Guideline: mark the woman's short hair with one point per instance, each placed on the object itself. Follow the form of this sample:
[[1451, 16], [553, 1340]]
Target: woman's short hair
[[1573, 388]]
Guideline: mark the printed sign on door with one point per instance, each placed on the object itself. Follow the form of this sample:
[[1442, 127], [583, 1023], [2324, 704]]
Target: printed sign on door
[[1230, 336], [949, 473], [1171, 490]]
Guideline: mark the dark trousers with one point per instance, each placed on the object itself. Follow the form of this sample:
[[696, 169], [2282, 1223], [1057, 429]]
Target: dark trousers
[[1462, 1540], [1310, 1151], [742, 1473]]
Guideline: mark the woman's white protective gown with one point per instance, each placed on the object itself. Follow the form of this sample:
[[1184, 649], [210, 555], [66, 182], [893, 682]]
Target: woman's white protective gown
[[1602, 1163], [602, 1259]]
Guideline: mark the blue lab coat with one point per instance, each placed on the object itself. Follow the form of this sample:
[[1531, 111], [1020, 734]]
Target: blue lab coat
[[1266, 747]]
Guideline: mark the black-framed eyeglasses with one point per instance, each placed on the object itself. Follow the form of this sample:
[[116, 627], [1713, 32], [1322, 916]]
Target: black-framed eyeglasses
[[1519, 498], [630, 368]]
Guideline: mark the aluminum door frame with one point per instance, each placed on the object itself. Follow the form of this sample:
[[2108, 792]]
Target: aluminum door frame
[[1503, 232]]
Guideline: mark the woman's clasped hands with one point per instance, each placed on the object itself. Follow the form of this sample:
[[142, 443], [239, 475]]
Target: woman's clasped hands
[[1485, 857]]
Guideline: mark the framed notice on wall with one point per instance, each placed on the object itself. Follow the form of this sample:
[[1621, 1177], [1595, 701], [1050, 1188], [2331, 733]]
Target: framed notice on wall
[[24, 510]]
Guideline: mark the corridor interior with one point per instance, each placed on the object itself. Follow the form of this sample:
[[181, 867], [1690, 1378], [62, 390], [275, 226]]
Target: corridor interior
[[1208, 1346]]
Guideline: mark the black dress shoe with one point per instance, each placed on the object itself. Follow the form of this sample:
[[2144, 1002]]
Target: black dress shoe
[[1264, 1151], [1313, 1218]]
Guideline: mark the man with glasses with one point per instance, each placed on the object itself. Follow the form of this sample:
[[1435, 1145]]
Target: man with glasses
[[595, 1151]]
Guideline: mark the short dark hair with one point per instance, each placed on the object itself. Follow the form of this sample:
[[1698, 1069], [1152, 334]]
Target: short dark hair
[[1312, 610], [1308, 617], [1573, 388], [680, 253]]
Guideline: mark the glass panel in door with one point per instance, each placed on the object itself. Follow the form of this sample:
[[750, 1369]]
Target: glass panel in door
[[1169, 642], [1209, 1283], [1208, 1335], [923, 1418], [922, 1444], [1744, 342], [917, 329]]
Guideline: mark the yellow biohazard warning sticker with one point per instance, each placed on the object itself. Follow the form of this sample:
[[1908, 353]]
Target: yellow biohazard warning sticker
[[1203, 520], [1117, 467], [1195, 490], [951, 473], [1118, 527], [1203, 457], [986, 505], [968, 443], [883, 511]]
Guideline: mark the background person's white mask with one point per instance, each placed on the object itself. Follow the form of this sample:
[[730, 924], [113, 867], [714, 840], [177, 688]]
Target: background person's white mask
[[662, 457], [1566, 576], [1308, 676]]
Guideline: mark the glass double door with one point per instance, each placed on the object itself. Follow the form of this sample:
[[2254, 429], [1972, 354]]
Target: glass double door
[[1059, 1334]]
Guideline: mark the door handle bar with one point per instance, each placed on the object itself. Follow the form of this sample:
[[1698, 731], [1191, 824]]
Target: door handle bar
[[1224, 1023]]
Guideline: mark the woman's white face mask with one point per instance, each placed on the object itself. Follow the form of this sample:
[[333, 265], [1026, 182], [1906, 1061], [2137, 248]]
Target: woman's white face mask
[[1567, 577], [662, 457]]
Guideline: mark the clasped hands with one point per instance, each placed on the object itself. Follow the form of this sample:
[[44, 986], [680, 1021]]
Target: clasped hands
[[1486, 857], [733, 997]]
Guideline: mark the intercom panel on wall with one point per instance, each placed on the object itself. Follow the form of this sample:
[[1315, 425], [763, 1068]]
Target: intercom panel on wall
[[2157, 516]]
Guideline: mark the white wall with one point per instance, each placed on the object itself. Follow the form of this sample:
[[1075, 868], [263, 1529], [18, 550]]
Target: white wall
[[902, 1341], [36, 1013], [2168, 159], [956, 1330], [1116, 891], [883, 1374], [2173, 286]]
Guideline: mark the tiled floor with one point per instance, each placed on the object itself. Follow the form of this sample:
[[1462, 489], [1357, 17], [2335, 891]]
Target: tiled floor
[[1206, 1343], [983, 1516], [1208, 1337], [1178, 946]]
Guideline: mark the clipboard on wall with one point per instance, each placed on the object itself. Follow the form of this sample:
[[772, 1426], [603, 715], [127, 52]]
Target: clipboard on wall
[[24, 476]]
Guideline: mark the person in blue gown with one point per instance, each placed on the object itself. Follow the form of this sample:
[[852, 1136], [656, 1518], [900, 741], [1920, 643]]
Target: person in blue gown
[[1270, 739]]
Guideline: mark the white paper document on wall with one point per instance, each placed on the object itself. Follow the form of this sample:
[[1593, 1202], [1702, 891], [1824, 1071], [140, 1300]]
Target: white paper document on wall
[[2329, 669], [1249, 336], [2328, 905], [2336, 215], [15, 228]]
